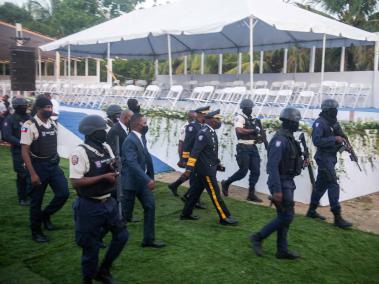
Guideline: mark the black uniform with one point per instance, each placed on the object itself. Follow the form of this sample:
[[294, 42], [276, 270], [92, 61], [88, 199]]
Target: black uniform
[[204, 162], [12, 133], [96, 211], [247, 153]]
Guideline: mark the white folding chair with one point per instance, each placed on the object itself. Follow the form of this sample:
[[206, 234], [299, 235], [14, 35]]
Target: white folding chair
[[304, 101], [341, 89], [174, 94], [151, 93]]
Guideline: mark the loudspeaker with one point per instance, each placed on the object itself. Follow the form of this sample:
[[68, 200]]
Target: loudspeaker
[[23, 68]]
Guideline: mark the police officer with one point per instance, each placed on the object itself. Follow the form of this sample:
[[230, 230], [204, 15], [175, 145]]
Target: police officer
[[39, 152], [12, 134], [191, 131], [93, 178], [328, 143], [284, 163], [248, 131], [203, 161], [113, 114]]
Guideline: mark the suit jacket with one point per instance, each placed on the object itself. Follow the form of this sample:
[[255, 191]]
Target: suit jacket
[[111, 136], [137, 164]]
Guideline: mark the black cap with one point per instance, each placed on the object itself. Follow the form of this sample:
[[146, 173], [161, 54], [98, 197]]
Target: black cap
[[42, 102], [203, 110], [213, 114]]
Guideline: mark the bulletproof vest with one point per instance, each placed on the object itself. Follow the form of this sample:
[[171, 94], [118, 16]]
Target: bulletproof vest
[[17, 122], [99, 165], [292, 162], [250, 123], [46, 144]]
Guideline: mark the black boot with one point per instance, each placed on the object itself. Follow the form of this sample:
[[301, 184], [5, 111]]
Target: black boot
[[87, 280], [225, 188], [291, 255], [39, 237], [252, 197], [47, 223], [104, 276], [312, 213], [256, 244], [339, 221], [174, 187]]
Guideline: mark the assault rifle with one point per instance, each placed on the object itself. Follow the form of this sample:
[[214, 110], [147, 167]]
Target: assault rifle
[[306, 156], [346, 146], [118, 168], [262, 135]]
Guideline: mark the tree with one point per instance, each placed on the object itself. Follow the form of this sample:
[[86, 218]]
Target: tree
[[13, 14]]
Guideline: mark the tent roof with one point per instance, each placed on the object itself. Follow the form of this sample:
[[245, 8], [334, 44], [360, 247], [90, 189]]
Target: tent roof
[[212, 26]]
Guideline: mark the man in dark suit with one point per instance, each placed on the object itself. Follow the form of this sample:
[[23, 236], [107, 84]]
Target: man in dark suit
[[138, 177], [120, 129]]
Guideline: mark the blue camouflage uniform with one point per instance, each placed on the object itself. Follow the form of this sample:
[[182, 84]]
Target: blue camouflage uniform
[[12, 133], [323, 137], [284, 163]]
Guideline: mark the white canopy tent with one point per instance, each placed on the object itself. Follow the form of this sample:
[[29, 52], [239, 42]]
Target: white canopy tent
[[210, 26]]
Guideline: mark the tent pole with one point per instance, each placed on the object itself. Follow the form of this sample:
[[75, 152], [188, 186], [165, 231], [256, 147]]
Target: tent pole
[[169, 58], [185, 71], [285, 60], [239, 63], [98, 70], [57, 66], [109, 63], [323, 57], [39, 65], [202, 64], [69, 64], [376, 57], [313, 58], [156, 68], [86, 67], [220, 64], [342, 62], [261, 62], [251, 53]]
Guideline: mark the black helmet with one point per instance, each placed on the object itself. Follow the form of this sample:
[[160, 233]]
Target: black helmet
[[16, 102], [328, 104], [91, 123], [246, 103], [113, 110], [291, 114]]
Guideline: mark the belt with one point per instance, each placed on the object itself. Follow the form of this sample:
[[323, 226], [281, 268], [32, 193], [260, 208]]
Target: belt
[[103, 200], [247, 142]]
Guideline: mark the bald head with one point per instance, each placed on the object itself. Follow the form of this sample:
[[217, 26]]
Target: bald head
[[125, 116]]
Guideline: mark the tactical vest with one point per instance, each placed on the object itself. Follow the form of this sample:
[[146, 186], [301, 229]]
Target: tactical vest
[[328, 132], [250, 123], [292, 162], [98, 166], [46, 145]]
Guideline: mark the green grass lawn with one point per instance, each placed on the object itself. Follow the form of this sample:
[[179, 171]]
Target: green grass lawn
[[197, 252]]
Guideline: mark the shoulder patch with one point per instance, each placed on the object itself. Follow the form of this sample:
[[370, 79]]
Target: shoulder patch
[[190, 128], [201, 137], [317, 124], [24, 129], [74, 160], [278, 143], [6, 123]]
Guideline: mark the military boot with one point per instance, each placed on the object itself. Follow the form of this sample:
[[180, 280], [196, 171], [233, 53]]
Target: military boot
[[256, 244], [339, 221], [174, 187], [225, 188], [312, 213], [252, 197]]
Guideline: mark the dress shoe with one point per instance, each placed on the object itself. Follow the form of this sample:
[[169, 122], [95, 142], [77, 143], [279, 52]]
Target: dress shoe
[[199, 205], [190, 217], [133, 220], [313, 214], [39, 237], [173, 188], [256, 244], [224, 188], [153, 244], [228, 221], [287, 255], [104, 276], [47, 223], [24, 202]]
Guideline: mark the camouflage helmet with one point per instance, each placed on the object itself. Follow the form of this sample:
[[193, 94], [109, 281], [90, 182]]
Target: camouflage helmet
[[16, 102], [328, 104], [246, 103], [92, 123], [113, 110], [291, 114]]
